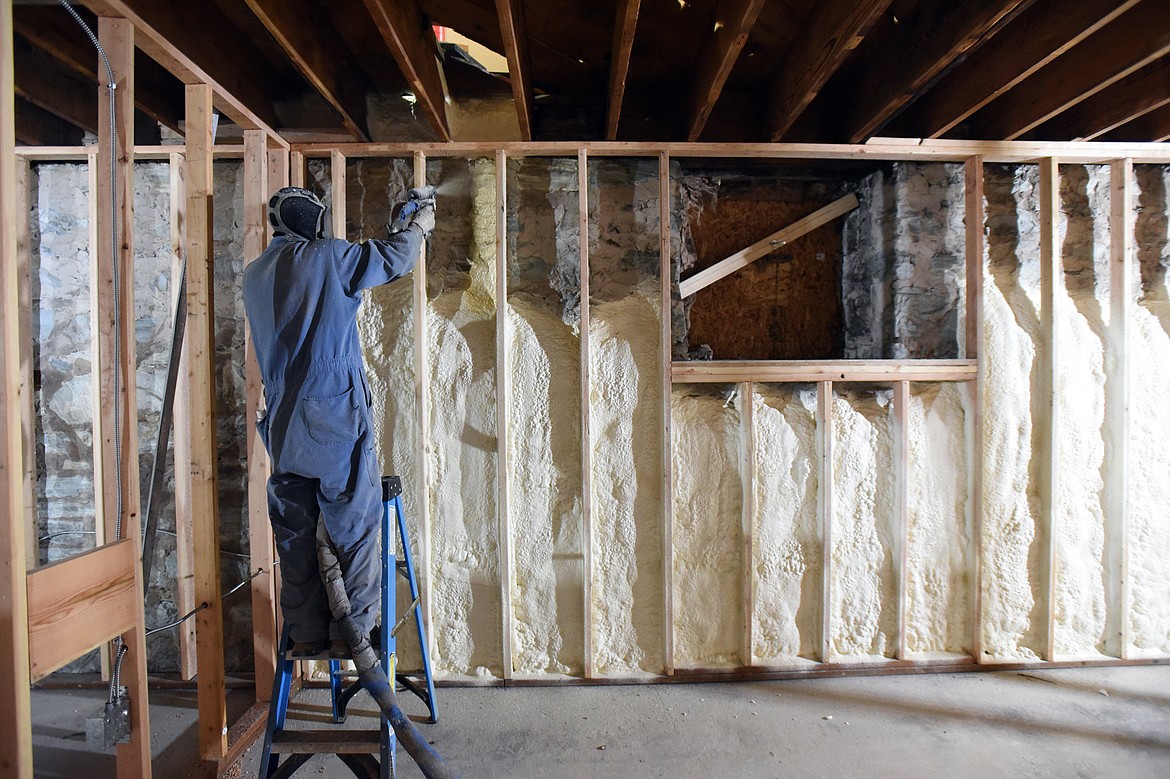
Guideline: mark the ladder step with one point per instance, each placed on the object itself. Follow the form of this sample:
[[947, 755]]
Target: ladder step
[[326, 742]]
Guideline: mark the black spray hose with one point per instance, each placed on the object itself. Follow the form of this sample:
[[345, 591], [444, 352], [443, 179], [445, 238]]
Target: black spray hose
[[370, 671]]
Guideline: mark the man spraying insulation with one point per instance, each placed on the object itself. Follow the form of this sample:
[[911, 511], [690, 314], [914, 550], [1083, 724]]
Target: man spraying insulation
[[301, 297]]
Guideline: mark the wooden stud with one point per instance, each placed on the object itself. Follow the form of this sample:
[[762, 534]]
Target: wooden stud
[[666, 276], [296, 173], [1117, 419], [824, 420], [973, 350], [278, 173], [901, 505], [181, 439], [80, 603], [827, 37], [717, 56], [787, 371], [337, 187], [767, 245], [586, 422], [263, 589], [101, 379], [204, 498], [25, 341], [1051, 287], [624, 23], [747, 470], [15, 712], [514, 32], [503, 406], [422, 373]]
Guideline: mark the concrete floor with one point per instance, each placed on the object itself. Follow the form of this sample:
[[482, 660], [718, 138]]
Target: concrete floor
[[1072, 723]]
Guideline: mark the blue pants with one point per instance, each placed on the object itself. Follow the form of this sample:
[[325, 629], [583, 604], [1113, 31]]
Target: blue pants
[[320, 438]]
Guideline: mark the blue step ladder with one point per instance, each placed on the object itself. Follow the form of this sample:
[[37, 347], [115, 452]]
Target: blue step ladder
[[355, 748]]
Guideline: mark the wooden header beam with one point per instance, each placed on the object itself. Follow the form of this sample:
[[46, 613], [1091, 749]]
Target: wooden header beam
[[794, 371], [765, 246], [515, 35], [624, 24], [721, 47], [818, 50]]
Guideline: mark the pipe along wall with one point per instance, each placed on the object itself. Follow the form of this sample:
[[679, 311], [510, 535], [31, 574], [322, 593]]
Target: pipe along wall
[[901, 292]]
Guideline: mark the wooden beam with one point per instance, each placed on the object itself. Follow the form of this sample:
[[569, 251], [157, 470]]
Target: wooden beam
[[201, 370], [296, 164], [1129, 99], [583, 329], [38, 127], [337, 185], [306, 34], [720, 50], [666, 348], [1135, 39], [1051, 287], [824, 420], [181, 438], [278, 173], [101, 377], [156, 93], [828, 36], [765, 246], [1042, 32], [974, 217], [515, 34], [914, 54], [796, 371], [1117, 417], [503, 410], [15, 712], [26, 342], [263, 589], [412, 42], [80, 603], [422, 399], [62, 95], [901, 507], [199, 46], [1155, 126], [747, 471], [624, 24]]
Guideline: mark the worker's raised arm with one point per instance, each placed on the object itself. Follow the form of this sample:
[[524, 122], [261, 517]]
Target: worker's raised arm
[[380, 261]]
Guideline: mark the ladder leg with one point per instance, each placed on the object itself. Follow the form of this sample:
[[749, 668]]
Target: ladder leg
[[278, 705], [335, 691], [432, 705]]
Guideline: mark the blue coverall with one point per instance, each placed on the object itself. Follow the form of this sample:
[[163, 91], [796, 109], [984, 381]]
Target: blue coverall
[[301, 299]]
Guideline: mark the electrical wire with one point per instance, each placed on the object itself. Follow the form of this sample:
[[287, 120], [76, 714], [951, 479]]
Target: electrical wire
[[204, 605]]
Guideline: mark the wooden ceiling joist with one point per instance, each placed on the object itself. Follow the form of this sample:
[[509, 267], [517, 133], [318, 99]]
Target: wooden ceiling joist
[[514, 32], [624, 23], [820, 47], [1125, 101], [178, 37], [723, 43], [37, 127], [412, 42], [1135, 39], [1041, 33], [58, 93], [916, 52], [51, 31], [1154, 126], [314, 46]]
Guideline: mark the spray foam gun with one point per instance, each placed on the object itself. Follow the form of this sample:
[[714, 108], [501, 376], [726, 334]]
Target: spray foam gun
[[404, 212]]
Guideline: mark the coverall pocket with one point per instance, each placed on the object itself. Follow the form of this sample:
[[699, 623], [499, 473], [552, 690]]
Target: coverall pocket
[[332, 420]]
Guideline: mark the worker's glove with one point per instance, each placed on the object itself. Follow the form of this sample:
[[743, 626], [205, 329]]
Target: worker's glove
[[425, 219], [419, 204]]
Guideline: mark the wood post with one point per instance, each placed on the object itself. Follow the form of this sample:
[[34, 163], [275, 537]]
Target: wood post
[[973, 350], [278, 173], [296, 169], [184, 529], [747, 470], [260, 548], [337, 189], [1051, 287], [901, 505], [204, 496], [422, 399], [667, 289], [503, 404], [15, 716], [586, 429], [27, 405], [824, 419], [1117, 389]]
